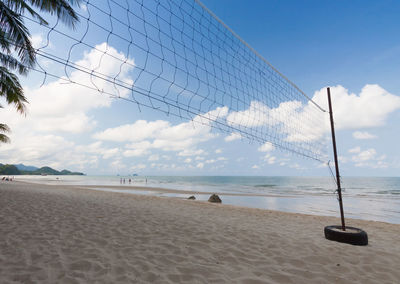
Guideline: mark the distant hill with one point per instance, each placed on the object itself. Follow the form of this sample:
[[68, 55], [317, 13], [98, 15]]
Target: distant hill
[[18, 170], [42, 170], [9, 170], [22, 167]]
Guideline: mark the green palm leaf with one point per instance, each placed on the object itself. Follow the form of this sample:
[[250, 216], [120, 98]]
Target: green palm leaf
[[4, 138], [4, 128], [12, 63], [16, 35], [61, 8], [12, 89]]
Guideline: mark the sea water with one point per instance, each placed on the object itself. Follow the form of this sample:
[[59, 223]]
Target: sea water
[[369, 198]]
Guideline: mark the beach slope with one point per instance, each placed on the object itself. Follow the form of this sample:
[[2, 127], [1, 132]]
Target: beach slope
[[64, 234]]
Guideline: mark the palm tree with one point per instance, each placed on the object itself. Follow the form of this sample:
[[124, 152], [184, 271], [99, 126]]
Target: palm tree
[[4, 138], [15, 39]]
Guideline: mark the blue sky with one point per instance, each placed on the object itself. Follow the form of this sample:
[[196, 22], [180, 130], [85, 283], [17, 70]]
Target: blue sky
[[352, 46], [318, 43]]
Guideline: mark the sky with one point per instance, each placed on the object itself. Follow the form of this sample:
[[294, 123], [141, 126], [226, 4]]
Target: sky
[[351, 46]]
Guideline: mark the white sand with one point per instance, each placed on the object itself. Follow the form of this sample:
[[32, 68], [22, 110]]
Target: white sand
[[60, 234]]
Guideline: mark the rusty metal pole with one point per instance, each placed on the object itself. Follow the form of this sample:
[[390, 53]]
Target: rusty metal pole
[[336, 161]]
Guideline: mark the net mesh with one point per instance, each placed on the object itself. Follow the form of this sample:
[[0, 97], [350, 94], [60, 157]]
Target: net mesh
[[177, 57]]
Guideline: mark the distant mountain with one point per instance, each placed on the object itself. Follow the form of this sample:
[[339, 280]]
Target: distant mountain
[[14, 170], [42, 170], [22, 167], [9, 170], [50, 171]]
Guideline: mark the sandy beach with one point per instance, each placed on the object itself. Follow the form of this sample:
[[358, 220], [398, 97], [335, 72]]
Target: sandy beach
[[66, 234]]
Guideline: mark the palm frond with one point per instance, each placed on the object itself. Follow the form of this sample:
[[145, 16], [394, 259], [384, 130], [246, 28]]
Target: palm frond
[[12, 90], [5, 44], [20, 6], [10, 62], [4, 128], [61, 8], [17, 34], [4, 138]]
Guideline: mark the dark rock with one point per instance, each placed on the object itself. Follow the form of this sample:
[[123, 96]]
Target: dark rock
[[214, 198], [192, 197]]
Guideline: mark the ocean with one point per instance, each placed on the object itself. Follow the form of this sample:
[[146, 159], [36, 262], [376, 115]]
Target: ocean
[[369, 198]]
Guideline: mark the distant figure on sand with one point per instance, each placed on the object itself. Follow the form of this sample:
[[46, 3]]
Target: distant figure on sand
[[129, 181]]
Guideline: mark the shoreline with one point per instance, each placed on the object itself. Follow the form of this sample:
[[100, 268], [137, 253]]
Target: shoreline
[[361, 207], [66, 234], [123, 190]]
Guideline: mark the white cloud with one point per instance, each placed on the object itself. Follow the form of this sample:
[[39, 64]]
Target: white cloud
[[363, 135], [233, 136], [300, 122], [168, 167], [374, 165], [191, 152], [355, 150], [142, 145], [160, 134], [57, 106], [218, 151], [154, 158], [305, 122], [296, 166], [200, 165], [297, 121], [38, 40], [255, 115], [188, 160], [138, 131], [366, 155], [109, 153], [36, 149], [211, 116], [117, 165], [266, 147], [98, 149], [271, 160], [137, 149], [369, 158], [54, 151], [134, 153], [138, 167], [255, 167], [368, 109]]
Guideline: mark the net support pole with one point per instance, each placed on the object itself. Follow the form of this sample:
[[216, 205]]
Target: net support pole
[[339, 189]]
